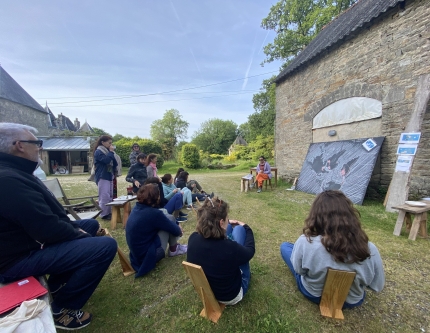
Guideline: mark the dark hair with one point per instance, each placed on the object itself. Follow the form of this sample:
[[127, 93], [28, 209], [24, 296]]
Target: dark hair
[[135, 145], [141, 156], [209, 216], [102, 138], [149, 158], [149, 195], [178, 172], [334, 217], [183, 176], [166, 178], [262, 157], [152, 180]]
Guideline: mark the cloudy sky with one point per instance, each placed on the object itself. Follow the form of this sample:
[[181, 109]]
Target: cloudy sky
[[121, 65]]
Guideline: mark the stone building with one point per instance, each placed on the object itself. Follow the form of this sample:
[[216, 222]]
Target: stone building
[[357, 79], [239, 141]]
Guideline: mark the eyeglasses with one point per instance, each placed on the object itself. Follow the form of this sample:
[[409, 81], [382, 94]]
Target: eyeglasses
[[38, 143]]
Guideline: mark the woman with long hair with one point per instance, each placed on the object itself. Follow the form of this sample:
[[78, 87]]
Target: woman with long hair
[[170, 189], [181, 183], [105, 165], [333, 238], [192, 185], [151, 165], [149, 231], [223, 248]]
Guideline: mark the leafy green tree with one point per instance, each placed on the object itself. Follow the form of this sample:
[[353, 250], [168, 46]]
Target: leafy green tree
[[296, 23], [215, 135], [123, 149], [169, 130], [190, 156], [99, 131], [118, 137], [262, 146]]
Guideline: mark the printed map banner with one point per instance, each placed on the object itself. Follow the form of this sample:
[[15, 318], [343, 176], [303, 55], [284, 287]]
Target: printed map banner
[[340, 165]]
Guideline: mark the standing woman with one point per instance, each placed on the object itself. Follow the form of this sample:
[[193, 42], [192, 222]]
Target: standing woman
[[223, 248], [105, 168], [149, 231], [333, 238], [263, 172], [151, 166]]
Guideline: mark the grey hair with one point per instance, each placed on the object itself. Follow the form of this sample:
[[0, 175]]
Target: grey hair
[[10, 132]]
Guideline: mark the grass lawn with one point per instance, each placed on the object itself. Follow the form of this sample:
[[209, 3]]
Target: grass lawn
[[165, 300]]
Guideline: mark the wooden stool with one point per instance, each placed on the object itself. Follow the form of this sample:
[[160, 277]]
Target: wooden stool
[[419, 223], [212, 309], [270, 183], [245, 184], [336, 289]]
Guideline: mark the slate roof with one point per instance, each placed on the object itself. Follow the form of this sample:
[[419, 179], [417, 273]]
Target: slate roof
[[85, 128], [66, 143], [12, 91], [240, 141], [338, 30]]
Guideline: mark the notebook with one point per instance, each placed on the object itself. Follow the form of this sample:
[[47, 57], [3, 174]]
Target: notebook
[[15, 293]]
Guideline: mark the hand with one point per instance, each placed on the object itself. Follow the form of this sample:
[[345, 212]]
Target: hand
[[83, 231], [236, 222], [175, 190], [111, 148], [136, 183]]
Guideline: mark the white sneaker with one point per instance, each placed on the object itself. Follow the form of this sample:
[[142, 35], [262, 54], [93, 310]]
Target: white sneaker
[[180, 249]]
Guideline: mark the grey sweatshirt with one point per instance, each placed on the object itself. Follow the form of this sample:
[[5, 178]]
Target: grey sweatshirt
[[311, 261]]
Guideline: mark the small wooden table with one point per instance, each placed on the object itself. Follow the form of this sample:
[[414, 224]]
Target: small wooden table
[[419, 223], [245, 184], [116, 211], [273, 169]]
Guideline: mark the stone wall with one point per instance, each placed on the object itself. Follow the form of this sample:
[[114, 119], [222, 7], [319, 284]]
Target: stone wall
[[382, 61], [16, 113]]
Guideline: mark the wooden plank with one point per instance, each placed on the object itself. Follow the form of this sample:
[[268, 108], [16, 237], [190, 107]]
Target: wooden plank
[[415, 226], [212, 309], [336, 289], [401, 180], [399, 223]]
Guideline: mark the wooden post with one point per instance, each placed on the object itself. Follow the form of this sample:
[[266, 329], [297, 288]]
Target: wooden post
[[399, 186]]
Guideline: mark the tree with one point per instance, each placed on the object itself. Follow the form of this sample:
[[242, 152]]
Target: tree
[[168, 130], [215, 136], [296, 23], [190, 156], [118, 137], [99, 131]]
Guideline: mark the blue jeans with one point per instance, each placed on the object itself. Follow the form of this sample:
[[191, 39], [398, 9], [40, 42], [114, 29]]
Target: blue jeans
[[78, 264], [238, 234], [286, 250], [175, 203]]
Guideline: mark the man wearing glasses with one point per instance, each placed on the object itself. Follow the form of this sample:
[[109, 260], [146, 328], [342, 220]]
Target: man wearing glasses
[[37, 237], [135, 151]]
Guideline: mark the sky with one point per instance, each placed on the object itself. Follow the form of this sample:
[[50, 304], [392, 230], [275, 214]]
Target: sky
[[89, 59]]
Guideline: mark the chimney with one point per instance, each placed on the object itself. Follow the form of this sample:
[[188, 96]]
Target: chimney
[[61, 121], [77, 124]]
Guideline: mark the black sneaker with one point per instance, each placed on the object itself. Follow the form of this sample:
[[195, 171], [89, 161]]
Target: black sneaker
[[72, 319], [183, 214], [107, 217]]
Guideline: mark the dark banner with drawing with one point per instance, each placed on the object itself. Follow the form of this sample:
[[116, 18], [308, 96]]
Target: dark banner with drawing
[[340, 165]]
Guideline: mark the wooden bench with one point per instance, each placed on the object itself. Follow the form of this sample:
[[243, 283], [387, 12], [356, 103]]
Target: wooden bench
[[212, 309], [419, 223], [336, 288]]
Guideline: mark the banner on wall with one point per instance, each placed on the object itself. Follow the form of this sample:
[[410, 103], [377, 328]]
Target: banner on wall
[[340, 165]]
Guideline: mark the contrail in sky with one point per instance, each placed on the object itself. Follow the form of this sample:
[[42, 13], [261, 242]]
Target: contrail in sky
[[191, 51], [250, 64], [262, 44]]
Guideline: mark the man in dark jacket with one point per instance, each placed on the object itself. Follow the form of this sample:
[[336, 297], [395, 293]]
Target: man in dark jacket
[[135, 151], [37, 237], [137, 173]]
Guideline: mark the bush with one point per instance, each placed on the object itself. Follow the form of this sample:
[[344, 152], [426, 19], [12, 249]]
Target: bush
[[160, 161], [190, 156], [123, 149], [231, 158]]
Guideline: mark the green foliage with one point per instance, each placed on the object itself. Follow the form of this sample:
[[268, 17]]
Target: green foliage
[[296, 23], [262, 146], [118, 137], [190, 156], [168, 130], [123, 148], [242, 152], [160, 161], [99, 131], [215, 135]]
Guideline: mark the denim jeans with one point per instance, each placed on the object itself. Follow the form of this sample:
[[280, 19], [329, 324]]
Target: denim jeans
[[175, 203], [75, 266], [238, 234], [286, 250]]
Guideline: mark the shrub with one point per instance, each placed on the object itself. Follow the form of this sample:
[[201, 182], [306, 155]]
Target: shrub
[[123, 148], [160, 161], [190, 156], [231, 158]]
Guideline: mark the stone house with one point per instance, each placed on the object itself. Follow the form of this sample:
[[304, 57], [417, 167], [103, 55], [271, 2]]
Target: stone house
[[358, 79], [239, 141]]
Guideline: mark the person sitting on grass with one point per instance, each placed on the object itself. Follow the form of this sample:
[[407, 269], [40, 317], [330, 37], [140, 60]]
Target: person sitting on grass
[[137, 174], [172, 206], [181, 183], [263, 173], [333, 238], [223, 248], [169, 190], [149, 231], [192, 185]]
